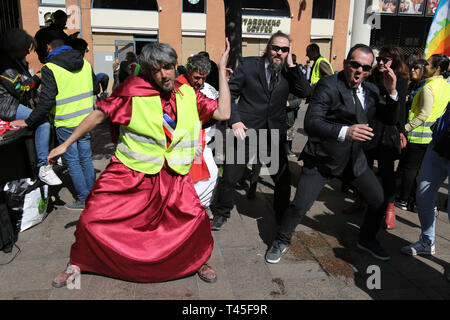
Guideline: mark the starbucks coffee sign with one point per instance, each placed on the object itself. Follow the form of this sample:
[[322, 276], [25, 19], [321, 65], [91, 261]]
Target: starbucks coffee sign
[[260, 25]]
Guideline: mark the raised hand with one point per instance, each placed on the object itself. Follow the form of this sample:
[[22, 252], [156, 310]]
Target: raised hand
[[290, 60], [224, 58], [390, 80]]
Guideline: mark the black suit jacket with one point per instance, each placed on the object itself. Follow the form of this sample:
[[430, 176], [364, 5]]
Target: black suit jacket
[[258, 108], [332, 107]]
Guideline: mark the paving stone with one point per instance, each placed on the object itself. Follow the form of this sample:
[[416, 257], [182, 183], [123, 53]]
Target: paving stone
[[319, 289], [232, 234], [296, 270], [45, 249], [26, 295], [185, 288], [30, 275], [247, 272], [100, 287]]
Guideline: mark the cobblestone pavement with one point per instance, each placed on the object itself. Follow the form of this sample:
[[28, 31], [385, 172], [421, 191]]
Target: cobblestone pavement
[[321, 263]]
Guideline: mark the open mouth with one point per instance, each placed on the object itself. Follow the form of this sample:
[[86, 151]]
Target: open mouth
[[356, 78]]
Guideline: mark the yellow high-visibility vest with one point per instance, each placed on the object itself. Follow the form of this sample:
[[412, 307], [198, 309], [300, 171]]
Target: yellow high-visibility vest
[[75, 98], [315, 73], [441, 96], [142, 144]]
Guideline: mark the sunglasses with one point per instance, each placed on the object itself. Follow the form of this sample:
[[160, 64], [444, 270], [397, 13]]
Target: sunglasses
[[357, 65], [384, 59], [277, 48]]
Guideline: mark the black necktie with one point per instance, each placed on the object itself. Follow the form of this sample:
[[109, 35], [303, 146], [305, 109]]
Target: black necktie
[[361, 116], [273, 80]]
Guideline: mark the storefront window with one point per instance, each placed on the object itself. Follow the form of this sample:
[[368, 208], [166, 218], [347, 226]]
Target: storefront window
[[9, 15], [408, 33], [323, 9], [150, 5], [265, 8], [61, 3], [194, 6]]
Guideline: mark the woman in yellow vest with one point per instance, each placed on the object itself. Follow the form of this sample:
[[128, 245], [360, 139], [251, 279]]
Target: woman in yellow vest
[[143, 220], [428, 105]]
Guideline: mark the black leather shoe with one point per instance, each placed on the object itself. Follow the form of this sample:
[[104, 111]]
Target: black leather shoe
[[217, 222], [251, 193]]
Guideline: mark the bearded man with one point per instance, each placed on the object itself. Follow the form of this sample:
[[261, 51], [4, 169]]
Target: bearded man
[[262, 85]]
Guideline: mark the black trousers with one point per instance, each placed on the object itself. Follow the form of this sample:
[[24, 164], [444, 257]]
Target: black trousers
[[311, 183], [233, 172], [386, 157], [410, 166]]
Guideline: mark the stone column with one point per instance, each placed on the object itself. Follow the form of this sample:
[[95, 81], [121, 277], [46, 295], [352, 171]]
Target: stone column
[[360, 30]]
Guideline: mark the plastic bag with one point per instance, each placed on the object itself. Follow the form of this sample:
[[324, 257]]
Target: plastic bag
[[27, 202]]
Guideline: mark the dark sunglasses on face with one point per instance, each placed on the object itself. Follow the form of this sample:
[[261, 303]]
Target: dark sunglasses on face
[[277, 48], [357, 65], [384, 59]]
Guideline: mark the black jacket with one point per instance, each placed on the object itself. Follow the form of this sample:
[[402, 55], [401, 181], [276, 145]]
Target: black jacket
[[16, 86], [258, 108], [332, 107], [70, 60], [388, 135]]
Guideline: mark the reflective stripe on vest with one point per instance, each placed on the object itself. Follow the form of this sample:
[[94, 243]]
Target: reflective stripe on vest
[[142, 144], [315, 73], [441, 96], [75, 98]]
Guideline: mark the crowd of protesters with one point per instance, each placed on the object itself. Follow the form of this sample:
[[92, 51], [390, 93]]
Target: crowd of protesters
[[162, 182]]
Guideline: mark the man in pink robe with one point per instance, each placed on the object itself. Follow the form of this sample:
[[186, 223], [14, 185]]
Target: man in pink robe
[[137, 226]]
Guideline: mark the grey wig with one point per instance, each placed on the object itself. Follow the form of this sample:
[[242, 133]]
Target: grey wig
[[154, 55]]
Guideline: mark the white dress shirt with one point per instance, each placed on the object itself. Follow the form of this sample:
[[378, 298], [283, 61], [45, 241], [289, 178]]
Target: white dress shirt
[[362, 98]]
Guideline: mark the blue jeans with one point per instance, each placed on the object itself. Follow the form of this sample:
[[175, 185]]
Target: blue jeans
[[79, 162], [432, 174], [41, 135]]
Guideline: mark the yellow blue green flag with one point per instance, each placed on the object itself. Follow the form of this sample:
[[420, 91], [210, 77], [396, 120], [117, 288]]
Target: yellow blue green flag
[[438, 40]]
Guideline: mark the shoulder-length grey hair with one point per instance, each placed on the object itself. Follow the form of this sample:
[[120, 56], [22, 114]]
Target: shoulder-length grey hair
[[154, 55]]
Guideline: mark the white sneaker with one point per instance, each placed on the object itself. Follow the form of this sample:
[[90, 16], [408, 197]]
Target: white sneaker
[[48, 176], [418, 248]]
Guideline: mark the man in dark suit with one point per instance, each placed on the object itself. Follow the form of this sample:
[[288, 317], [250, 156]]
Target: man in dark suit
[[262, 85], [337, 126]]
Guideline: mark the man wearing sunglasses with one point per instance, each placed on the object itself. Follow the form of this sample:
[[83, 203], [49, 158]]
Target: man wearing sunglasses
[[337, 126], [262, 85]]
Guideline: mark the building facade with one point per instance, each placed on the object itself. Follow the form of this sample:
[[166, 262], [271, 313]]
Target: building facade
[[114, 27]]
